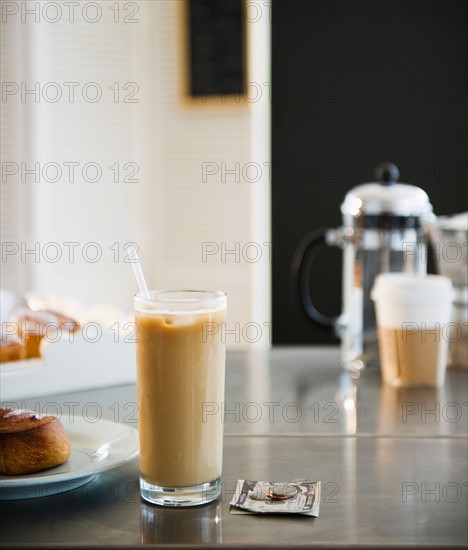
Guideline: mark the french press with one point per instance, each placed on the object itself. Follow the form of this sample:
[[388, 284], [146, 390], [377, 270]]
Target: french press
[[385, 228]]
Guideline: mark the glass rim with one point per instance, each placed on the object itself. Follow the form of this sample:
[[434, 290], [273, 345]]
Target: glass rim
[[180, 301], [208, 293]]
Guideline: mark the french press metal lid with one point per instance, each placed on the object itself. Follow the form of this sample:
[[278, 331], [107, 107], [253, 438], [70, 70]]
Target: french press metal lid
[[385, 203]]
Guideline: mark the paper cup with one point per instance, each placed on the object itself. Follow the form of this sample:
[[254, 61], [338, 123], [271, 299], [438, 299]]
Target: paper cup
[[413, 323]]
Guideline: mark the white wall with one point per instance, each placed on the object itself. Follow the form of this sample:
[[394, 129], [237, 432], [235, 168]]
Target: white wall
[[172, 209]]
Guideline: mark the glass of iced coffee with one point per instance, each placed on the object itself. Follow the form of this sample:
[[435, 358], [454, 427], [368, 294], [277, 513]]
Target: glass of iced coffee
[[413, 323], [180, 381]]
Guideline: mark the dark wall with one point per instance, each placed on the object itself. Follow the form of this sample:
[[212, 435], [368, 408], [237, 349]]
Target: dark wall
[[357, 82]]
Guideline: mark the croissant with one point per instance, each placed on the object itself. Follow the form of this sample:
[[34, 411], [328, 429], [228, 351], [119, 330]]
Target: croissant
[[30, 443]]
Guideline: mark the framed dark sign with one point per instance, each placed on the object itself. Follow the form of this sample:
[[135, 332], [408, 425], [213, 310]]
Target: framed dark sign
[[215, 47]]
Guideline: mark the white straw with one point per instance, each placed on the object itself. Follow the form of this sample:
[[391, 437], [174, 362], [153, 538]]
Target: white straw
[[138, 272]]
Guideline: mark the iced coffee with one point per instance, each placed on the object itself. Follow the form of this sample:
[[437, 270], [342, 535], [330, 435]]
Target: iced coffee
[[180, 376]]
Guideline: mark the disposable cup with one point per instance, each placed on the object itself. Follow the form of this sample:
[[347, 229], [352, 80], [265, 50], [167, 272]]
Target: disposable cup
[[414, 327]]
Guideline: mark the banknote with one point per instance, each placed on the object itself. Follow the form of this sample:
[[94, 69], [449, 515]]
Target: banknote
[[300, 496]]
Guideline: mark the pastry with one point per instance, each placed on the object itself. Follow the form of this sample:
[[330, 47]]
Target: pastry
[[30, 442], [11, 348], [33, 326]]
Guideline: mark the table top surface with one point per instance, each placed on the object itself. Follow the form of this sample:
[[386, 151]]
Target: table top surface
[[392, 463]]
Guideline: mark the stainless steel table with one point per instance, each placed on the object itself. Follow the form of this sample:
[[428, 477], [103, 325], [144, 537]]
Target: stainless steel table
[[393, 464]]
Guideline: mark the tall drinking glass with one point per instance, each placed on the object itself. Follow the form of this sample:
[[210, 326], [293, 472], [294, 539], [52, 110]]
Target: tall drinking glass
[[180, 381]]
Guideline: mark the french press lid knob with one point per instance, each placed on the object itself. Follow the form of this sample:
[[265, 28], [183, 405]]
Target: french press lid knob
[[387, 173]]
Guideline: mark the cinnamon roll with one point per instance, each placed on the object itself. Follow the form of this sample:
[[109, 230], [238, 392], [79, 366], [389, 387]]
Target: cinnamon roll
[[30, 442]]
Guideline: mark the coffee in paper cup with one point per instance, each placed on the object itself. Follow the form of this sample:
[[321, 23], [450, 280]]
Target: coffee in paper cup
[[413, 322]]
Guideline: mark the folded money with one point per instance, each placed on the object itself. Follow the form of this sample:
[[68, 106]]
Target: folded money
[[299, 496]]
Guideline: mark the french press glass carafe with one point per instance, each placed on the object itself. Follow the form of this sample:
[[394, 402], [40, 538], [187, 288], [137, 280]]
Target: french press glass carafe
[[384, 229]]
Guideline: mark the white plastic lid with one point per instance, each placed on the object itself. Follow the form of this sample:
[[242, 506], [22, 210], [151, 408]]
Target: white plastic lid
[[402, 287], [456, 222]]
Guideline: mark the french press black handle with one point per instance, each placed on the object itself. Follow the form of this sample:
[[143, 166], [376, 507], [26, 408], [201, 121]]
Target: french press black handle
[[301, 268]]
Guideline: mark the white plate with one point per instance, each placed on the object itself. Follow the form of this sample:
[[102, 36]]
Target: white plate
[[24, 364], [95, 447], [67, 366]]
